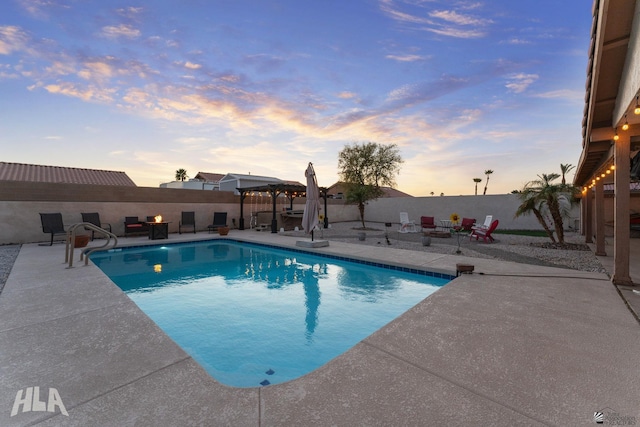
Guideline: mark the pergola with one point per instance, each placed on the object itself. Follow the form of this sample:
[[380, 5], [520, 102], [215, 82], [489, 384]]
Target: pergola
[[611, 126], [291, 191]]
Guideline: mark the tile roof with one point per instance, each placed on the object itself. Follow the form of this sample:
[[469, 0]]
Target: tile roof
[[63, 175]]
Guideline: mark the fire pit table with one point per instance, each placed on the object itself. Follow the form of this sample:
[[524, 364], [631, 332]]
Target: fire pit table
[[158, 230]]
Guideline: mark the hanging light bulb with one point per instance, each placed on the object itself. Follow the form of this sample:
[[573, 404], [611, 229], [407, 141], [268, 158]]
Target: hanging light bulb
[[625, 126], [616, 137], [636, 110]]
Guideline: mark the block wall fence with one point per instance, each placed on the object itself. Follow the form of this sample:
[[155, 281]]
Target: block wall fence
[[22, 202]]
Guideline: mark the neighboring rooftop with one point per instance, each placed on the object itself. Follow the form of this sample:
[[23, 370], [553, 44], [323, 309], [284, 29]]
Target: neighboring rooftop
[[62, 175], [209, 176]]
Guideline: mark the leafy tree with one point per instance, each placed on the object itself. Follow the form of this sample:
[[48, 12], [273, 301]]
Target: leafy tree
[[364, 168], [548, 202], [477, 181], [181, 175], [486, 184], [565, 169]]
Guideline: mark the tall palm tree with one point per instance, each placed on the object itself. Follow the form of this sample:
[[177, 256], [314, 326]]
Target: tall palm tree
[[565, 170], [181, 175], [487, 172], [477, 181]]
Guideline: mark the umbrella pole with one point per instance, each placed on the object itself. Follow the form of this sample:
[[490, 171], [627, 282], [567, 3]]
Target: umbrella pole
[[312, 235]]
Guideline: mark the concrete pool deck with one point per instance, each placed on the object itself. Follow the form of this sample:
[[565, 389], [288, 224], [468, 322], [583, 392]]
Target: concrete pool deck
[[511, 344]]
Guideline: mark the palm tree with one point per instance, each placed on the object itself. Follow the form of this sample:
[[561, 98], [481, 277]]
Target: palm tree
[[530, 204], [542, 197], [477, 181], [565, 170], [487, 172], [181, 175]]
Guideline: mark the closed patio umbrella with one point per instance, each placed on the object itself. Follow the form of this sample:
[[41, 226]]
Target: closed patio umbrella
[[312, 207]]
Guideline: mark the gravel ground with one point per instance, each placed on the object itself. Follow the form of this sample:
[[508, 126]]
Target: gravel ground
[[522, 249], [8, 254], [507, 247]]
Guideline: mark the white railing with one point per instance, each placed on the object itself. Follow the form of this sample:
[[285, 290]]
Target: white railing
[[84, 253]]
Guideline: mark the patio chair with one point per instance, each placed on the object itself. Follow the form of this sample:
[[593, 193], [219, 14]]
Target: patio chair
[[132, 225], [427, 222], [486, 224], [52, 223], [484, 233], [188, 220], [406, 226], [219, 220], [94, 218], [466, 224]]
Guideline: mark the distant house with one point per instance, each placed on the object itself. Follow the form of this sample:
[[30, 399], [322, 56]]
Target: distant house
[[62, 175], [338, 190], [202, 181], [231, 181]]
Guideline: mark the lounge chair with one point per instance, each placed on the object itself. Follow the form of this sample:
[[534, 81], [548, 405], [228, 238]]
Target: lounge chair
[[188, 220], [132, 225], [219, 220], [427, 222], [52, 223], [406, 226], [484, 233], [94, 218]]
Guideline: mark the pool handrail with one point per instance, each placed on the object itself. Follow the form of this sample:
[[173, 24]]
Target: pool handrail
[[84, 253]]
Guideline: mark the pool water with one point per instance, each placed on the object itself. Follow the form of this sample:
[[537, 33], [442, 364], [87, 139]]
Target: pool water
[[255, 315]]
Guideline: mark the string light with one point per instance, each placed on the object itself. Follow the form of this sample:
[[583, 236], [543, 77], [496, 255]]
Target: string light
[[615, 136], [625, 126], [636, 110]]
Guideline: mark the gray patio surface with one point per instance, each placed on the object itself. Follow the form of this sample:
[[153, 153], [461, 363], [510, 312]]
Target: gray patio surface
[[511, 344]]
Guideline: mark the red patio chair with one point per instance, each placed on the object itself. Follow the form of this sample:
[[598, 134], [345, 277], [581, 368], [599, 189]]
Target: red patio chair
[[484, 233], [427, 222], [465, 225]]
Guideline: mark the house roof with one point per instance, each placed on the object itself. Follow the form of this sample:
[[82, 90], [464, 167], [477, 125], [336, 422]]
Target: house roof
[[340, 187], [248, 177], [62, 175], [209, 176], [606, 98]]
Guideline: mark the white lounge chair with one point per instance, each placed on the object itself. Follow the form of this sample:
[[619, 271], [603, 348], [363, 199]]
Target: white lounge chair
[[406, 226]]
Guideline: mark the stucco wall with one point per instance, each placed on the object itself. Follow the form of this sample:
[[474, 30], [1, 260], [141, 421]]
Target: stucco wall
[[501, 206], [21, 203]]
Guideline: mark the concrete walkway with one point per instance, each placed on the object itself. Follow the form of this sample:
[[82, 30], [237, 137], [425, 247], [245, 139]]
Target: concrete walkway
[[511, 344]]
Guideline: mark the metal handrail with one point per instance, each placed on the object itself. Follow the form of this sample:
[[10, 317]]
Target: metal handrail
[[71, 242]]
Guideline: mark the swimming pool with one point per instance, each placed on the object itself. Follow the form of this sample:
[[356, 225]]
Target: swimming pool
[[256, 315]]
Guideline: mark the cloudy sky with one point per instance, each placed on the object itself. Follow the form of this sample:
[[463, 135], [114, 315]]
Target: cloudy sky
[[265, 86]]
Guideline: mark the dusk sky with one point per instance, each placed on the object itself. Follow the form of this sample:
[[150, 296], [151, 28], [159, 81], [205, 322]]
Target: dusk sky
[[264, 87]]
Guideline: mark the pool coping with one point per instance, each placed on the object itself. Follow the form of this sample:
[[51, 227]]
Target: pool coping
[[511, 344]]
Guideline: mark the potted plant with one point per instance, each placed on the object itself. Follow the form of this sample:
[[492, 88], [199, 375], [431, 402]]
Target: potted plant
[[223, 231], [81, 241]]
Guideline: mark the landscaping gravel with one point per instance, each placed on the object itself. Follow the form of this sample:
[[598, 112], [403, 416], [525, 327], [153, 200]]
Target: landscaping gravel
[[8, 255], [506, 247]]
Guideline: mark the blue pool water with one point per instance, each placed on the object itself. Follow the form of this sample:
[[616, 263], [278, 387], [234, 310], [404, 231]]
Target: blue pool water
[[254, 315]]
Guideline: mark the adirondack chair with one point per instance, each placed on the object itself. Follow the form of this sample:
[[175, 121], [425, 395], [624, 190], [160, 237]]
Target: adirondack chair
[[484, 233]]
